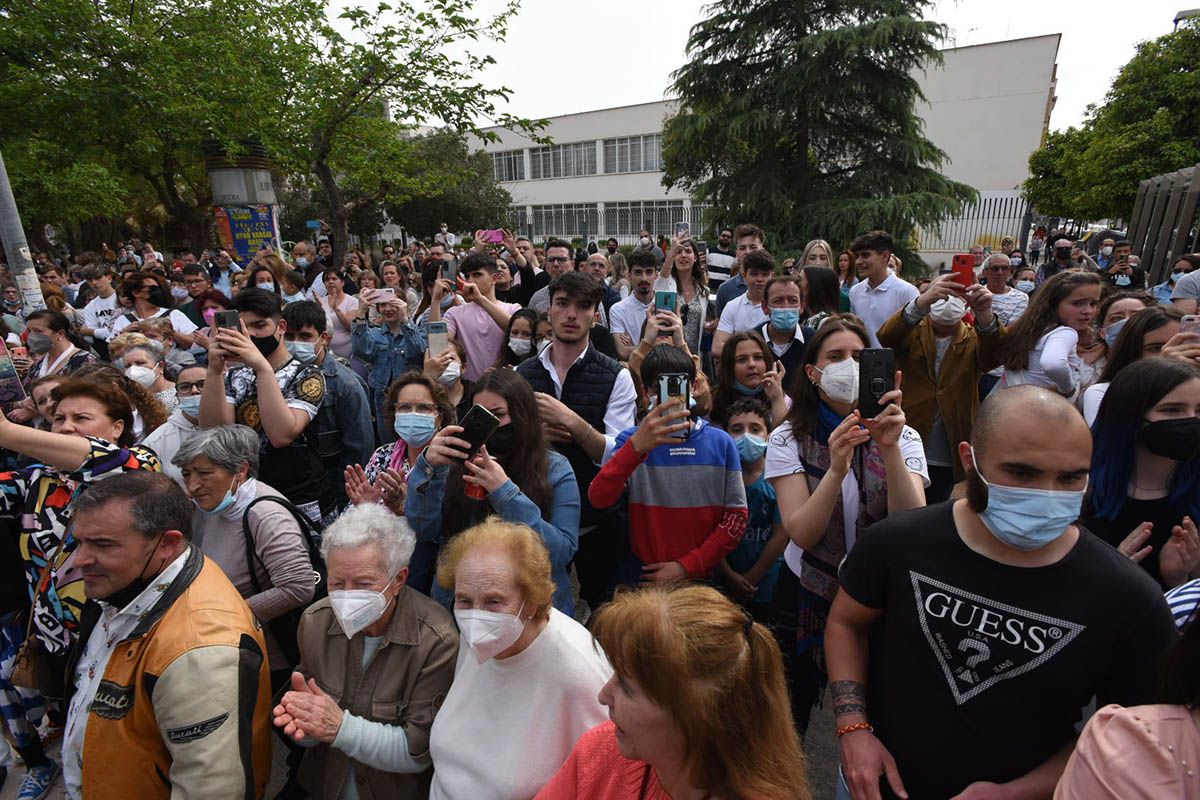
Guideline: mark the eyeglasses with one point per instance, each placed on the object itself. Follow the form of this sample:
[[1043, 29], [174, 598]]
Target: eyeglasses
[[183, 387], [416, 408], [557, 260]]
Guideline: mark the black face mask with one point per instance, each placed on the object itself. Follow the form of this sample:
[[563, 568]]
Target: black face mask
[[1177, 439], [1062, 253], [503, 442], [611, 249], [160, 298], [123, 597], [265, 344]]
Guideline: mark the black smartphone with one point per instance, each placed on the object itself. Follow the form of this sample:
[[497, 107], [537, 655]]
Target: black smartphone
[[228, 319], [675, 386], [700, 247], [876, 377], [478, 426]]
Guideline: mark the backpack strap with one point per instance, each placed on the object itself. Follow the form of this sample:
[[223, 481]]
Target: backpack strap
[[308, 534]]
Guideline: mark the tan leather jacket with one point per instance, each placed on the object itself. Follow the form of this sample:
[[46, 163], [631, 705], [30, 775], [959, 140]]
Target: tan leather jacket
[[404, 684]]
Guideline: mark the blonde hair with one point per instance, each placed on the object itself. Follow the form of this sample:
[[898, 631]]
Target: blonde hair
[[829, 254], [160, 325], [522, 544], [277, 265], [720, 677], [123, 341]]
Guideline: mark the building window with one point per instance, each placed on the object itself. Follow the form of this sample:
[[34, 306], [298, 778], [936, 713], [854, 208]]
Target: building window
[[509, 165], [628, 218], [566, 220], [563, 160], [633, 154]]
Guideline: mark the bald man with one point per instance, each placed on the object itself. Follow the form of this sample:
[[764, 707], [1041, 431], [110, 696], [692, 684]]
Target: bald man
[[993, 620]]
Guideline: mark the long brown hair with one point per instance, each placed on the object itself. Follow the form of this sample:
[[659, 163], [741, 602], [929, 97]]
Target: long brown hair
[[724, 394], [720, 677], [1042, 316], [526, 466], [803, 414]]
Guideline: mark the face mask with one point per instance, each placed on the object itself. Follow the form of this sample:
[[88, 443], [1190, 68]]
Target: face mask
[[488, 633], [143, 375], [356, 609], [270, 287], [1026, 286], [179, 293], [750, 447], [785, 319], [746, 390], [415, 429], [645, 241], [302, 262], [839, 381], [520, 347], [190, 404], [265, 344], [1123, 280], [225, 503], [1106, 251], [503, 442], [1113, 331], [1062, 253], [611, 249], [949, 311], [209, 314], [294, 298], [160, 298], [1016, 261], [1175, 276], [304, 352], [451, 375], [1028, 519], [39, 343], [1177, 439]]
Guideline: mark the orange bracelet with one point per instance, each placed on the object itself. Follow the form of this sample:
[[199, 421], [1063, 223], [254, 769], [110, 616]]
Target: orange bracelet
[[858, 726]]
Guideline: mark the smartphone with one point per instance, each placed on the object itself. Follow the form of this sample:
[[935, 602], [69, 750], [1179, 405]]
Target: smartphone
[[312, 224], [385, 295], [478, 426], [11, 389], [20, 352], [964, 269], [666, 301], [492, 236], [439, 338], [228, 319], [700, 247], [449, 269], [876, 377], [675, 386], [1190, 323], [682, 230]]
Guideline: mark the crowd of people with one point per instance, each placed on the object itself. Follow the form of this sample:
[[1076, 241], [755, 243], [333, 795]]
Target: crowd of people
[[519, 519]]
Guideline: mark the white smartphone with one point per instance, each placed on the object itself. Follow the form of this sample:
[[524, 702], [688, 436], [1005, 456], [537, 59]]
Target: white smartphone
[[439, 338]]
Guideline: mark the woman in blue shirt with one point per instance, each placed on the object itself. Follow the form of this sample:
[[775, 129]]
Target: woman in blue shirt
[[391, 349]]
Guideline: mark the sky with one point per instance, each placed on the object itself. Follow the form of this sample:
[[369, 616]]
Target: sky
[[566, 56]]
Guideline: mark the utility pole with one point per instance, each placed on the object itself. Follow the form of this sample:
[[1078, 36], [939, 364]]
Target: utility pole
[[12, 235]]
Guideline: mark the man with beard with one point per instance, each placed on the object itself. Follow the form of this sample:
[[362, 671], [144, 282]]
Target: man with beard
[[627, 317]]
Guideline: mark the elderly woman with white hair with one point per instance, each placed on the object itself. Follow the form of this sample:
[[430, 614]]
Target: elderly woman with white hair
[[379, 659], [219, 468]]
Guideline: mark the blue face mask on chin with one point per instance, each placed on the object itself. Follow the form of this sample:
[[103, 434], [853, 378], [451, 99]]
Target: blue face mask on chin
[[746, 390], [1028, 519], [229, 499]]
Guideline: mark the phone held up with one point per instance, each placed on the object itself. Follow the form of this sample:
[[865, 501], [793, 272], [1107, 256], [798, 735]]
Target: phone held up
[[675, 386], [478, 425], [876, 377], [666, 301], [439, 338], [963, 267], [1190, 323]]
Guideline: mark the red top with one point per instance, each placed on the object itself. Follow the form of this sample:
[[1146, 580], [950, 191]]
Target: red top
[[596, 770]]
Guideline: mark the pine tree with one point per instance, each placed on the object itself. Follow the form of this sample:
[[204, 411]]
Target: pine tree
[[798, 115]]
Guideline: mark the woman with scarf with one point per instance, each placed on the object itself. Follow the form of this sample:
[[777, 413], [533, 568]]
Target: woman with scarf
[[834, 474]]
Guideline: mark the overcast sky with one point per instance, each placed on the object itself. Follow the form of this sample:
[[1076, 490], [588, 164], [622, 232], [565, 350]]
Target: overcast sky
[[565, 56]]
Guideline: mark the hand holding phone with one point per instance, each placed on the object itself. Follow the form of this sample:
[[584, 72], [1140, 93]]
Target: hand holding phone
[[876, 377], [1190, 323], [963, 267]]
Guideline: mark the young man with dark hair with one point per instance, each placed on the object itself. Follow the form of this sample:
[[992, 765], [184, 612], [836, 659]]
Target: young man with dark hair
[[687, 503], [559, 260], [746, 311], [1121, 273], [881, 294], [343, 423], [197, 281], [626, 317], [782, 303], [747, 238], [268, 390], [101, 310], [479, 324], [721, 260], [585, 399], [992, 620]]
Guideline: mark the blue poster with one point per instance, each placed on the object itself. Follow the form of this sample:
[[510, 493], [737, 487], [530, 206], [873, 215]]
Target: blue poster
[[244, 229]]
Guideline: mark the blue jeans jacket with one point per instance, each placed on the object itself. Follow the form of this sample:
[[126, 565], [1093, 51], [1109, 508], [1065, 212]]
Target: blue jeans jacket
[[423, 509], [389, 354]]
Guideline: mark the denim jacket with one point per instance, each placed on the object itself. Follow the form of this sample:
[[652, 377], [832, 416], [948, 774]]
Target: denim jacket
[[560, 533], [389, 354]]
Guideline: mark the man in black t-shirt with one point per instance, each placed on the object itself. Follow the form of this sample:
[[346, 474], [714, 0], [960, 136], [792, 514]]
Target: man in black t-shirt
[[992, 621]]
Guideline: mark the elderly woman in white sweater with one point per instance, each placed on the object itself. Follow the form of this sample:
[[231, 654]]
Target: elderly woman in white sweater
[[219, 466], [528, 677]]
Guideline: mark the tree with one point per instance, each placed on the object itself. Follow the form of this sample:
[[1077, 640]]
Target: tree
[[1145, 127], [799, 115]]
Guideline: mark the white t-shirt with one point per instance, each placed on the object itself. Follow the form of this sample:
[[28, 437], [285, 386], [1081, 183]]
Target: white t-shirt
[[741, 314], [99, 313], [783, 458], [876, 305], [178, 319]]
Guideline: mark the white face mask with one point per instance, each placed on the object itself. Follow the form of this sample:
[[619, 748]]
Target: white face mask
[[948, 311], [452, 374], [839, 381], [143, 375], [520, 347], [1106, 251], [489, 633], [355, 609]]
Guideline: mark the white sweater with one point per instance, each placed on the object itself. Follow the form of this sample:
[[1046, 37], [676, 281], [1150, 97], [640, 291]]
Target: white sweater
[[508, 725]]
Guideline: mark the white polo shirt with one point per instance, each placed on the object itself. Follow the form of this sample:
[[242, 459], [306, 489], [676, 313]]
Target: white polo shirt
[[628, 316], [742, 314], [876, 305]]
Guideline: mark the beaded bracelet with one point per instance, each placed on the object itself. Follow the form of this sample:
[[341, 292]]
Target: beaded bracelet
[[858, 726]]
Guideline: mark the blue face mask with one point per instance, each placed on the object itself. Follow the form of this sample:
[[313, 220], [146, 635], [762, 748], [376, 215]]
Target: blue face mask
[[1028, 519], [785, 319], [415, 429], [746, 390], [304, 352], [1026, 286], [225, 503], [446, 301], [1114, 330], [750, 447], [190, 404], [1123, 280], [301, 262], [294, 298], [1175, 276]]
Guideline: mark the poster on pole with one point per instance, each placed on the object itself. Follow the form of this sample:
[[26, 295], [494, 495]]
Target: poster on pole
[[244, 229]]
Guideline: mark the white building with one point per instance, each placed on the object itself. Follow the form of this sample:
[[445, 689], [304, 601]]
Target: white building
[[988, 107]]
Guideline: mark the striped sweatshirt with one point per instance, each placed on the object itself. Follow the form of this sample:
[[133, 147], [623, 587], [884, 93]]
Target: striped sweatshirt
[[687, 502]]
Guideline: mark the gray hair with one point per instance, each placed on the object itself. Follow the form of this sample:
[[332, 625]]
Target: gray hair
[[153, 349], [987, 262], [371, 523], [228, 446]]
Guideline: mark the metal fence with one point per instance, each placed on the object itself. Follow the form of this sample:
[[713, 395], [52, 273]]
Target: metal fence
[[621, 221], [1165, 222], [996, 215]]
